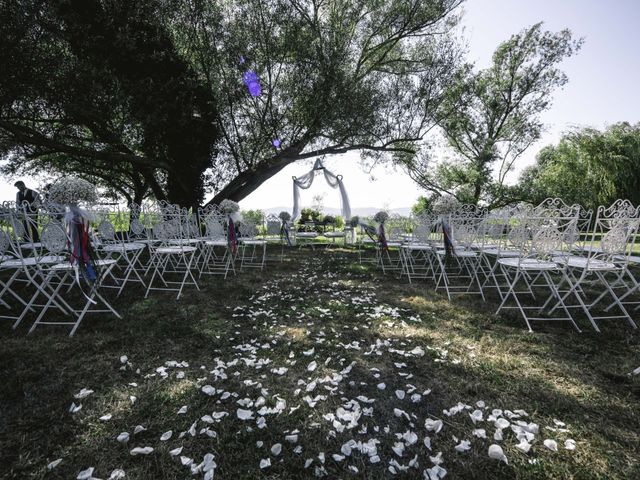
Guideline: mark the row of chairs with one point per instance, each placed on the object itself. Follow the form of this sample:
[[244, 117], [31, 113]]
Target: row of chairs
[[160, 247], [549, 262]]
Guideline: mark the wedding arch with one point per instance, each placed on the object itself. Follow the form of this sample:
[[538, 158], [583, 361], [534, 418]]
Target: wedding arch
[[334, 181]]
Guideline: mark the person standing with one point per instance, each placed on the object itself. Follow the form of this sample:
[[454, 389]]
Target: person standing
[[28, 200]]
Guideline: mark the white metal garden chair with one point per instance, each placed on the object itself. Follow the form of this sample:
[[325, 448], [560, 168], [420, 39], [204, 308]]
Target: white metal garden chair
[[252, 250], [539, 236], [216, 256], [59, 277], [172, 254], [457, 268], [111, 246], [607, 254], [417, 254]]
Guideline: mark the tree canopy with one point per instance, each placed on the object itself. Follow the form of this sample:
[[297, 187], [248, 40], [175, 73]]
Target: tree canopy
[[588, 166], [490, 117], [148, 96]]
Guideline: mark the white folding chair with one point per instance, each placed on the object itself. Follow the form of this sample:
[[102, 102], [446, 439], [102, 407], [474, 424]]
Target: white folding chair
[[252, 250], [607, 254], [216, 256], [173, 253], [541, 235], [59, 280]]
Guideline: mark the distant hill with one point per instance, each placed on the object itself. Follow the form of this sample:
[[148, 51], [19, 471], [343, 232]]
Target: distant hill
[[360, 211]]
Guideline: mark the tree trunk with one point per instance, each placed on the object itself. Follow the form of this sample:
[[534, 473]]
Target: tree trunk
[[248, 181]]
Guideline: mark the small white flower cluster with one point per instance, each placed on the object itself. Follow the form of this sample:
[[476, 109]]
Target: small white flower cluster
[[444, 205], [381, 217], [229, 206], [71, 191], [284, 216]]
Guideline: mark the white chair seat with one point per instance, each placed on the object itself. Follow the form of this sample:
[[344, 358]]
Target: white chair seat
[[175, 250], [68, 266], [334, 234], [253, 242], [588, 249], [31, 245], [528, 264], [417, 247], [501, 253], [394, 244], [306, 234], [459, 253], [119, 247], [31, 261], [184, 241], [583, 262], [216, 243], [632, 258], [4, 258]]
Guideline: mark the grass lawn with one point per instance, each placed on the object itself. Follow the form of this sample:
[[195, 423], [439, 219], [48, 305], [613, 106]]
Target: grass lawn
[[338, 370]]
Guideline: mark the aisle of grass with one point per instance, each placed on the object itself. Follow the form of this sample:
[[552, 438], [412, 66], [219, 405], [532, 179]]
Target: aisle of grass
[[323, 324]]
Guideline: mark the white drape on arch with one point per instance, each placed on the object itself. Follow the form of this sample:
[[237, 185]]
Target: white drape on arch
[[334, 181]]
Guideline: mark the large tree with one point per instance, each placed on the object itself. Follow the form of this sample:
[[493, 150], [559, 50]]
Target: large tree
[[151, 84], [588, 166], [101, 84], [493, 116]]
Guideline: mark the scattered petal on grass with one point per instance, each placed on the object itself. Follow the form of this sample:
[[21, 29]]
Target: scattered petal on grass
[[176, 451], [495, 452], [106, 418], [570, 444], [54, 464], [463, 446], [244, 414], [141, 451], [381, 386], [276, 449], [166, 436], [138, 429], [524, 446], [85, 392], [182, 410], [75, 408], [117, 474], [265, 463], [551, 445], [85, 474], [433, 425], [123, 437], [208, 390]]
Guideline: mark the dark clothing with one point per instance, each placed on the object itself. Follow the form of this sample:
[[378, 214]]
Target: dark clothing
[[30, 197]]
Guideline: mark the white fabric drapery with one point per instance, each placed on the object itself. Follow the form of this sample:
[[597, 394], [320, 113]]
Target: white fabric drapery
[[334, 181]]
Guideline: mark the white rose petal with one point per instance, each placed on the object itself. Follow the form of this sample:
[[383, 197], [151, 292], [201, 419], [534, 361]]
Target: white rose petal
[[551, 445], [54, 464], [85, 474], [176, 451], [463, 446], [495, 452], [433, 425], [123, 437], [570, 444], [265, 462], [244, 414], [166, 436], [106, 418], [117, 474], [85, 392], [276, 449], [141, 451]]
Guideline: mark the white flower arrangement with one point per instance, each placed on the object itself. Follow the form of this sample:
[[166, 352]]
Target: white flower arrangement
[[445, 205], [229, 206], [72, 190], [284, 216], [381, 217]]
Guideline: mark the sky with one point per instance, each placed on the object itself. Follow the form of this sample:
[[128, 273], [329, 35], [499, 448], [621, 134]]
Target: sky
[[602, 89]]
